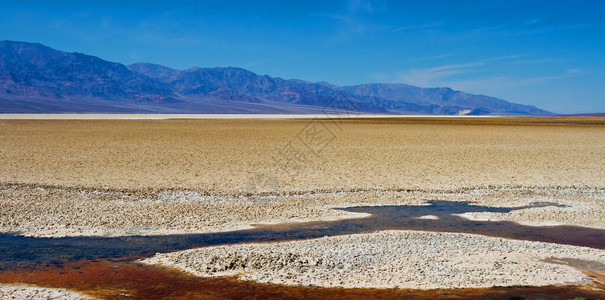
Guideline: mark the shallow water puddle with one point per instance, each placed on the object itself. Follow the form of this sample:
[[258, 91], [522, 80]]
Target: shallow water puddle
[[121, 280], [103, 266]]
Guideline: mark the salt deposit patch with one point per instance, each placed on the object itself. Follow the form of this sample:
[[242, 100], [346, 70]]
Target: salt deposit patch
[[35, 293], [405, 259]]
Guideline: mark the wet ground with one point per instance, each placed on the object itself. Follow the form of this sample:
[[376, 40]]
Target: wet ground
[[103, 266], [123, 280]]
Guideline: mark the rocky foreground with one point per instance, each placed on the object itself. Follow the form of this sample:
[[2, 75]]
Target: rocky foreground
[[405, 259]]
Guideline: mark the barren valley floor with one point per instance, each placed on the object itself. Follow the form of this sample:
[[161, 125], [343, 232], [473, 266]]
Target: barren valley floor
[[112, 178]]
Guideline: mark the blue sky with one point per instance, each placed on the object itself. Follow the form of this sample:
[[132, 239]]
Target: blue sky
[[547, 53]]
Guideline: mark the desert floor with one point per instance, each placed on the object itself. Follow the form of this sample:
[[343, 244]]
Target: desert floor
[[141, 177]]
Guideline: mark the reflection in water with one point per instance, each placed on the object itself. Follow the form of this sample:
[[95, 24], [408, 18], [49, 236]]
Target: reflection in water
[[18, 251]]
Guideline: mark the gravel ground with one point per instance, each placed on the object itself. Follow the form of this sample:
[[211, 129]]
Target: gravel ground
[[37, 293], [405, 259]]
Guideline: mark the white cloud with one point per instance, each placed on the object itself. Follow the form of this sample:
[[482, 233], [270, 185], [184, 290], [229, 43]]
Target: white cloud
[[443, 75], [430, 76], [507, 57], [501, 85]]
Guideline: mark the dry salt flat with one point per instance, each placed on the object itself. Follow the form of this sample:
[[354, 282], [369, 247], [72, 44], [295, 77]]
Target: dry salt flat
[[157, 175], [43, 211], [405, 259]]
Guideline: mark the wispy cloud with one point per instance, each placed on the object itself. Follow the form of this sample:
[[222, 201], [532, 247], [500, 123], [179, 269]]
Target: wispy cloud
[[419, 26], [551, 29], [482, 61], [161, 39], [258, 62], [530, 27], [507, 57], [353, 19], [100, 25], [443, 74], [503, 84], [474, 76], [427, 77], [434, 57], [532, 61], [355, 6], [178, 10]]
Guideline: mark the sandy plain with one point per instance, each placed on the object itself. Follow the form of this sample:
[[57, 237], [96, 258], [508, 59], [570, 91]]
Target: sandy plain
[[140, 177]]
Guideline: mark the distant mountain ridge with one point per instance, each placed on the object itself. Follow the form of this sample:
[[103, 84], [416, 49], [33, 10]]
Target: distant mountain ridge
[[38, 79]]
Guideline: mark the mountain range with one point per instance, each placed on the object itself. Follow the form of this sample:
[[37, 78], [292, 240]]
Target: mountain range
[[38, 79]]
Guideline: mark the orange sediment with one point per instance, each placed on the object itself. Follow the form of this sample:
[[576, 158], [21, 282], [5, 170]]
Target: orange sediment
[[122, 280]]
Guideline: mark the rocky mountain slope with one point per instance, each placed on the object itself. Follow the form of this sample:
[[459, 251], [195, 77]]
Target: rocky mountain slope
[[35, 78]]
